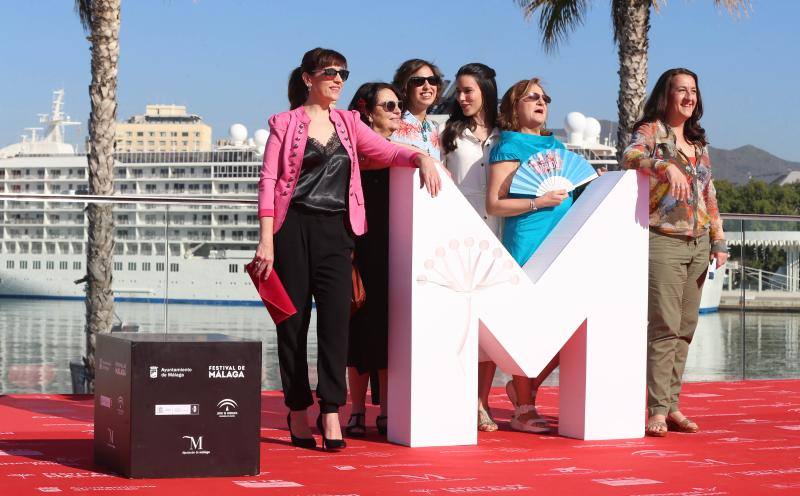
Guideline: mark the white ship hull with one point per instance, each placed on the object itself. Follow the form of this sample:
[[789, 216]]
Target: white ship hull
[[197, 280]]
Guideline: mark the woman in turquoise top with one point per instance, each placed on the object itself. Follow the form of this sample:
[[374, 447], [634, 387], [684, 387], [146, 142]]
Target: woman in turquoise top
[[529, 219], [526, 231]]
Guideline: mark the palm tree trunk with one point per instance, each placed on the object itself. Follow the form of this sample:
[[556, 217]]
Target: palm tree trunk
[[632, 23], [104, 37]]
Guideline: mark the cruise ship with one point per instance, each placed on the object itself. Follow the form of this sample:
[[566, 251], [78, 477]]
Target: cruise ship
[[187, 252], [184, 252]]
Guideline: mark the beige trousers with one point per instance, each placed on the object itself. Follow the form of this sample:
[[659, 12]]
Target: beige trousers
[[678, 266]]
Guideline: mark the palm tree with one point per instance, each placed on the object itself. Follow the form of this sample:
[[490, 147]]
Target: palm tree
[[631, 20], [101, 19]]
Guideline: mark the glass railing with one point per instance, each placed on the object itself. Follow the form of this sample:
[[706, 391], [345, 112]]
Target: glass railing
[[760, 296], [179, 267]]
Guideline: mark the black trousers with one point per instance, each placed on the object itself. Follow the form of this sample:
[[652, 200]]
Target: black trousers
[[313, 258]]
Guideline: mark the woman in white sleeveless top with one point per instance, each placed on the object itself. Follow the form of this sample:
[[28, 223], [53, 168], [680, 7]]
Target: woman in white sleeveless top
[[466, 142]]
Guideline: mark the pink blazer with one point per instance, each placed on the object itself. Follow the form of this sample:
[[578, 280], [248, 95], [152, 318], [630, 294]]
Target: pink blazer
[[283, 158]]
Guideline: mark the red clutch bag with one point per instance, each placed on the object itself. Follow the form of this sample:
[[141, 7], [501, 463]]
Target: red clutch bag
[[273, 294]]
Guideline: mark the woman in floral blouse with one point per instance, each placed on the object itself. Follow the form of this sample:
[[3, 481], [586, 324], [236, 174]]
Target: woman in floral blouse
[[421, 83], [670, 146]]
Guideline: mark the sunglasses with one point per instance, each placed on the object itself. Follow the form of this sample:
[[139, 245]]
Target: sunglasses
[[391, 105], [331, 73], [534, 97], [419, 80]]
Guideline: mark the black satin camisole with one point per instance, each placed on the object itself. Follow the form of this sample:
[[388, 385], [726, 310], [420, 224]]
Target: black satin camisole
[[324, 177]]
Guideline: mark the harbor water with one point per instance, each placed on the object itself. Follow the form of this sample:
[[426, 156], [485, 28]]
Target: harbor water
[[38, 338]]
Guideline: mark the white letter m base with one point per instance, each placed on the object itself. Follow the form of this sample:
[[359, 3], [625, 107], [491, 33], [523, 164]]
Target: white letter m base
[[583, 293]]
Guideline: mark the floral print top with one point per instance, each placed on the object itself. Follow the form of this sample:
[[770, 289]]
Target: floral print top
[[651, 150], [423, 135]]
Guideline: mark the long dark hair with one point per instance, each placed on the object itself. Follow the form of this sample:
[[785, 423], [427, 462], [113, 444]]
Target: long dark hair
[[458, 122], [407, 69], [655, 109], [366, 98], [316, 58]]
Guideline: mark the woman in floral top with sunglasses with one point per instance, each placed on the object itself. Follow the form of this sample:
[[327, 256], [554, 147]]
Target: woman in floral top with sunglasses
[[670, 146], [421, 83]]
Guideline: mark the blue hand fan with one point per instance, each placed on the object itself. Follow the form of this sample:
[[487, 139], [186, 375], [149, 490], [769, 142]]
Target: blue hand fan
[[552, 170]]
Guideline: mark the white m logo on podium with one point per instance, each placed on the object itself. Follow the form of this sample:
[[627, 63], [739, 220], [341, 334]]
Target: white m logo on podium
[[583, 293]]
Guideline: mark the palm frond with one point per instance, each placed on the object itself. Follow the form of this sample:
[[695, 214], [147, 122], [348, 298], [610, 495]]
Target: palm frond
[[84, 10], [557, 18], [736, 8]]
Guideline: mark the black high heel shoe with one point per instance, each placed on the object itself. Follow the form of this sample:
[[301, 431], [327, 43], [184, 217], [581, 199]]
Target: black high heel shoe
[[329, 444], [300, 442]]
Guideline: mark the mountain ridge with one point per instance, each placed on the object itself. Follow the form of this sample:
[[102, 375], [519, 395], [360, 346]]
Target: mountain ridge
[[736, 165]]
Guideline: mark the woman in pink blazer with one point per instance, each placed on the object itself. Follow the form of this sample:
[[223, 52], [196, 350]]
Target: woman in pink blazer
[[310, 206]]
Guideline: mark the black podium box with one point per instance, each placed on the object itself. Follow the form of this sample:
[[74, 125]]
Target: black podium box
[[177, 405]]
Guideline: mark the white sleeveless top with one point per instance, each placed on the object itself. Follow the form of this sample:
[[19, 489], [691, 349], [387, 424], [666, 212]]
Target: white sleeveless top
[[469, 164]]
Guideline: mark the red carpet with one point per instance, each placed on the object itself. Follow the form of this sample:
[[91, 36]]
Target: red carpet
[[750, 444]]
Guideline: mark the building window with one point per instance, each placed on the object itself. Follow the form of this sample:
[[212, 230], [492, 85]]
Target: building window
[[173, 267], [140, 134], [131, 265], [63, 265], [23, 264], [37, 264], [10, 264], [146, 266], [50, 265], [76, 266], [174, 134], [233, 268], [117, 265], [159, 266]]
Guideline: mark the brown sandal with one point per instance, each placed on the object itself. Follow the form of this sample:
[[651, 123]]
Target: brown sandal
[[656, 428], [687, 425]]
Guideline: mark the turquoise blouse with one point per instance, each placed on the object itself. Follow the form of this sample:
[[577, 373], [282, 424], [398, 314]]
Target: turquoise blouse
[[523, 233]]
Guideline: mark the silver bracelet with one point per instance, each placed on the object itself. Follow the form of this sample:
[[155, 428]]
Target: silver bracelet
[[533, 206]]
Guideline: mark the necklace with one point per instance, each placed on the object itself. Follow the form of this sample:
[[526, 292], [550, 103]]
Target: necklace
[[424, 129]]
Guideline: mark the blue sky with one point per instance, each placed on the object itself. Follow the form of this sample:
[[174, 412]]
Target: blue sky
[[229, 60]]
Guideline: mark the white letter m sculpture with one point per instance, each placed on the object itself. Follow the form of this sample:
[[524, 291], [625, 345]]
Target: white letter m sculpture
[[453, 285]]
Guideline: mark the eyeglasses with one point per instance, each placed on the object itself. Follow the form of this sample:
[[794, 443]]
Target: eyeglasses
[[331, 73], [391, 105], [419, 80], [534, 97]]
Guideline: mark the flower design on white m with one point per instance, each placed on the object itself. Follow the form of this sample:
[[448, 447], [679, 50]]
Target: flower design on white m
[[467, 268]]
